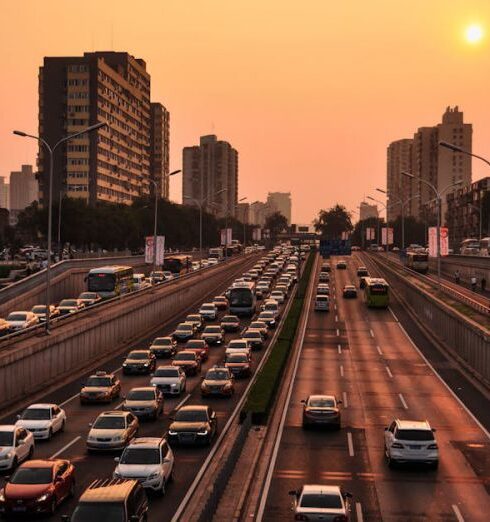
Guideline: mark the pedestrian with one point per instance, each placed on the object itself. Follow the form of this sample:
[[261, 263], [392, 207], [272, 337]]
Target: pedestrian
[[473, 283], [483, 284], [457, 277]]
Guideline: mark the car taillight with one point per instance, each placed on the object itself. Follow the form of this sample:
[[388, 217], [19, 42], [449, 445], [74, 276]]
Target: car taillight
[[432, 446], [341, 518], [397, 445], [300, 517]]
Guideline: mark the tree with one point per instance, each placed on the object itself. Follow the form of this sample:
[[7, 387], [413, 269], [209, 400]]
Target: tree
[[332, 222], [276, 223]]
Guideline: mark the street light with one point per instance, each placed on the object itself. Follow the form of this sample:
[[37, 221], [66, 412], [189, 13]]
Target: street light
[[438, 194], [51, 150], [244, 232], [384, 207], [155, 185]]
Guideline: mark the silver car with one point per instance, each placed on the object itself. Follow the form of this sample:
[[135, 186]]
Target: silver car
[[112, 430], [318, 502], [144, 402]]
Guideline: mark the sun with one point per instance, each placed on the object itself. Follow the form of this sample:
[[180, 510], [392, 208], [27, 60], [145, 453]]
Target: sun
[[474, 33]]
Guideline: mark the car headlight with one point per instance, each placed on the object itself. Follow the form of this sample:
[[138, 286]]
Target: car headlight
[[173, 385], [227, 386], [125, 364], [7, 456], [116, 475], [153, 476], [42, 498], [202, 431], [155, 384], [2, 496], [118, 438], [173, 433], [91, 438], [147, 364]]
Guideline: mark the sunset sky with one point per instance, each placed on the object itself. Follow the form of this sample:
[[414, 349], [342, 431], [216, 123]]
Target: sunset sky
[[310, 93]]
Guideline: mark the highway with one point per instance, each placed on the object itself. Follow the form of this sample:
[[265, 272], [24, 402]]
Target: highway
[[71, 443], [367, 359]]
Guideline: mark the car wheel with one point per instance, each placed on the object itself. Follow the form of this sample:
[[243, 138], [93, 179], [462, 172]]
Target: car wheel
[[15, 462], [435, 465], [52, 507], [31, 452], [71, 493], [62, 427], [50, 433]]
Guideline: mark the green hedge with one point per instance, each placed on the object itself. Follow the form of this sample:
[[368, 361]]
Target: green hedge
[[263, 391]]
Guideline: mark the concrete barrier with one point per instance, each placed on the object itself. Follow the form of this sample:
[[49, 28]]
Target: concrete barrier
[[30, 365], [468, 267]]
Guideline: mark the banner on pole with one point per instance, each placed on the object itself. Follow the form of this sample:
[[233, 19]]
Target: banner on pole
[[160, 249], [257, 234], [226, 236], [444, 241], [387, 236], [369, 234]]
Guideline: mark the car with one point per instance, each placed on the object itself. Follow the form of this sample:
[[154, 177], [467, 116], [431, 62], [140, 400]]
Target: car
[[230, 323], [238, 345], [278, 296], [271, 305], [100, 387], [208, 311], [281, 287], [254, 337], [409, 441], [213, 334], [38, 487], [21, 320], [170, 380], [322, 289], [239, 363], [324, 277], [362, 282], [341, 265], [168, 275], [163, 347], [362, 271], [140, 281], [16, 445], [4, 327], [42, 420], [321, 502], [144, 402], [193, 424], [262, 291], [70, 306], [150, 460], [40, 312], [184, 332], [200, 347], [322, 303], [212, 261], [218, 381], [220, 302], [349, 291], [139, 361], [90, 298], [261, 326], [189, 361], [157, 277], [196, 320], [112, 430], [269, 318], [321, 410]]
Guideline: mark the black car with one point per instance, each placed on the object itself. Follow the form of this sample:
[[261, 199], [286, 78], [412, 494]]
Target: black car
[[184, 332], [139, 361], [164, 347], [193, 425]]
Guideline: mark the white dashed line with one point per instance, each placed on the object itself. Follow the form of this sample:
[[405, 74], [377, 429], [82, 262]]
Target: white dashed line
[[360, 518], [339, 348], [341, 370], [183, 401], [336, 318], [402, 400], [119, 405], [64, 448], [335, 306], [379, 350], [350, 444], [344, 400], [371, 333], [69, 400], [388, 371], [457, 512], [338, 332]]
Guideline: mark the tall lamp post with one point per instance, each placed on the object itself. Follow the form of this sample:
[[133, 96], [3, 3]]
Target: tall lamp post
[[379, 224], [51, 150], [241, 200], [155, 186], [438, 194]]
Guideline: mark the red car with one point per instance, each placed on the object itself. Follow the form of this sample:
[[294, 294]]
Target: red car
[[38, 486], [198, 346]]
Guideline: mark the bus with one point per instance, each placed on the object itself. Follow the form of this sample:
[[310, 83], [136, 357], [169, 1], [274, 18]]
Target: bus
[[177, 263], [110, 281], [485, 246], [216, 253], [242, 299], [418, 261], [470, 247], [376, 292]]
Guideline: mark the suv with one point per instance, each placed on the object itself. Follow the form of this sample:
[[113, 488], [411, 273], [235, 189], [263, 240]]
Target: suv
[[321, 502], [362, 271], [112, 430], [115, 499], [150, 460], [144, 402], [410, 441], [218, 381], [195, 424], [101, 387], [169, 379], [208, 311]]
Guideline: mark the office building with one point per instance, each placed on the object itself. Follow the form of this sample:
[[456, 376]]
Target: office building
[[243, 212], [23, 189], [367, 211], [4, 193], [159, 148], [111, 164], [280, 202], [210, 176], [258, 213]]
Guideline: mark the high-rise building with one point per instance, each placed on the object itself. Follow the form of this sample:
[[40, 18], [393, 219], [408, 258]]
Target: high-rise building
[[243, 212], [4, 194], [367, 211], [159, 148], [111, 164], [398, 186], [280, 202], [258, 213], [23, 188], [210, 176]]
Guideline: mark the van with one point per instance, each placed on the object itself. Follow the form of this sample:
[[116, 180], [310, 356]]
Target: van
[[117, 499], [322, 303], [140, 282]]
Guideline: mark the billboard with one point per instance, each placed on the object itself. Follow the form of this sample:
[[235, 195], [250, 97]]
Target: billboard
[[226, 236], [160, 249], [444, 242], [335, 247], [370, 234], [257, 234], [384, 232]]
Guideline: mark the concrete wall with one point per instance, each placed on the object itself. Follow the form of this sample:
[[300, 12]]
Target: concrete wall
[[30, 365], [467, 266]]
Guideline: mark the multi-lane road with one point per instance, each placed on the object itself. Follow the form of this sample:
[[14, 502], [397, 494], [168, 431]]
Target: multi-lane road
[[367, 359]]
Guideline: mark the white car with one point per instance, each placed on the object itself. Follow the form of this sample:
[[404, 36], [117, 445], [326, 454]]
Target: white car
[[278, 296], [410, 441], [318, 502], [21, 320], [208, 311], [238, 345], [149, 460], [42, 420], [112, 430], [16, 445], [212, 261], [271, 305], [169, 379]]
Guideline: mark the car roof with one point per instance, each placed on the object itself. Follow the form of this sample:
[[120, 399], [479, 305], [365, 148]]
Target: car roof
[[143, 388], [41, 406], [141, 350], [8, 427], [114, 413], [166, 367], [321, 397], [39, 463], [320, 489], [412, 425], [109, 490], [101, 373], [160, 338], [146, 442], [190, 407]]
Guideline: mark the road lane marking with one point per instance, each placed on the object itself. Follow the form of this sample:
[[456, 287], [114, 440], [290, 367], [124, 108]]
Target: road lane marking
[[336, 318], [388, 371], [360, 518], [402, 400], [119, 405], [341, 370], [379, 350], [64, 448], [335, 306], [339, 348], [344, 399], [457, 512], [371, 333], [183, 401], [338, 332], [350, 444]]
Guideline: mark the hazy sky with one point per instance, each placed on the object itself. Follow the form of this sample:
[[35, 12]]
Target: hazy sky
[[310, 92]]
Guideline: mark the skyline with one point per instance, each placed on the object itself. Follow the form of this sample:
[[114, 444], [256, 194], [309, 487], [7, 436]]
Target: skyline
[[263, 62]]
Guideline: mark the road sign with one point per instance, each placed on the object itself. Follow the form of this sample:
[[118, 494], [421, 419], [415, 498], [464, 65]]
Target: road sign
[[335, 247]]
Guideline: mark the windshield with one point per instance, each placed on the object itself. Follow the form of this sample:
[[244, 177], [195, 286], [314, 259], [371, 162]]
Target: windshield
[[191, 416], [196, 343], [91, 511], [236, 359], [422, 435], [101, 282], [322, 403], [207, 307], [165, 341], [110, 423], [98, 381], [185, 357], [194, 318], [212, 329], [139, 356], [167, 373], [141, 395], [88, 295], [68, 302], [271, 306], [32, 476], [313, 500], [258, 325], [140, 456], [241, 297], [36, 414], [250, 335], [238, 344], [266, 315], [217, 375], [6, 438], [229, 319], [17, 317], [40, 309], [184, 327]]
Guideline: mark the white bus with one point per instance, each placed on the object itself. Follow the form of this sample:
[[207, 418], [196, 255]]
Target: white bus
[[242, 299], [470, 247]]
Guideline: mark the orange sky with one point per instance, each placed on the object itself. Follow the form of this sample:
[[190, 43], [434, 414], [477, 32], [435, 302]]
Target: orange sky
[[310, 92]]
